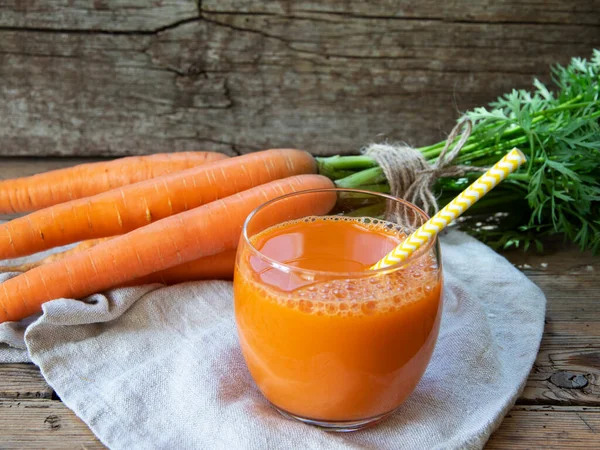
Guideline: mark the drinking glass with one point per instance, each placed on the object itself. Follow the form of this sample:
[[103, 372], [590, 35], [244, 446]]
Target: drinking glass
[[328, 341]]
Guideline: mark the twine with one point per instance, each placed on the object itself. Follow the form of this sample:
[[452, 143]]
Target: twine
[[409, 174]]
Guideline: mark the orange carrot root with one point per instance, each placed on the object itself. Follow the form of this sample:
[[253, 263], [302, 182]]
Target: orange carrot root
[[57, 186], [129, 207], [212, 267], [53, 257], [218, 267]]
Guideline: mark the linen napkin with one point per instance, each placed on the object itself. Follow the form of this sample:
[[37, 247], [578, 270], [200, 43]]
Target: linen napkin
[[156, 367]]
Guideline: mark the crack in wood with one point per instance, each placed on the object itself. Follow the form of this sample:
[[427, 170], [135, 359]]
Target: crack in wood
[[244, 30], [586, 423], [101, 31], [227, 94], [39, 55], [293, 45], [313, 15]]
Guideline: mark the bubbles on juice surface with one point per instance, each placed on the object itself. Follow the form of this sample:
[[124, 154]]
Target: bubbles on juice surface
[[374, 294], [364, 297]]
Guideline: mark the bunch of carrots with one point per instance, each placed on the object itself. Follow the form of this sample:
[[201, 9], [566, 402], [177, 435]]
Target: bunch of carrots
[[162, 218]]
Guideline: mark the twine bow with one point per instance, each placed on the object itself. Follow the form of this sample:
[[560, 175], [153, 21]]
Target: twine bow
[[409, 174]]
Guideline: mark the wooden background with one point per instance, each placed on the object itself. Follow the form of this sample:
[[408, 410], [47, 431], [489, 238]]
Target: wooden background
[[107, 78]]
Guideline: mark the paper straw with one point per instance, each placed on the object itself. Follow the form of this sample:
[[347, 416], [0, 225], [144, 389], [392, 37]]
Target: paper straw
[[452, 210]]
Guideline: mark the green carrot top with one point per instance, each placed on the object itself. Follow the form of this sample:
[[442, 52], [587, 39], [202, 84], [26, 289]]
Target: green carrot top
[[558, 192]]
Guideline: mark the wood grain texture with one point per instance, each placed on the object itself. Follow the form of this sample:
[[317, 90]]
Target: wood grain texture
[[557, 258], [22, 381], [139, 15], [542, 11], [95, 15], [567, 376], [238, 76], [570, 281], [548, 428], [43, 424], [570, 348]]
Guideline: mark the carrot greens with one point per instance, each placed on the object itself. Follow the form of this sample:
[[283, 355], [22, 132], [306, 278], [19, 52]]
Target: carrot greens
[[557, 192]]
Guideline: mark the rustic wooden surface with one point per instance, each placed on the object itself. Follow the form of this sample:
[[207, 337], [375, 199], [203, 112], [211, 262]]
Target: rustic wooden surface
[[101, 77], [559, 408]]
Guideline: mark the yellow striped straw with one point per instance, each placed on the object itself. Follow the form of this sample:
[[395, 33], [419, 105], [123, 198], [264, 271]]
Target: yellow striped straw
[[455, 208]]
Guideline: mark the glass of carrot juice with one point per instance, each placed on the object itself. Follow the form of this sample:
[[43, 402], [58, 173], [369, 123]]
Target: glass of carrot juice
[[327, 340]]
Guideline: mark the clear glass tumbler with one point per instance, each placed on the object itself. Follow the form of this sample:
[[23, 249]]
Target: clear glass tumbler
[[327, 340]]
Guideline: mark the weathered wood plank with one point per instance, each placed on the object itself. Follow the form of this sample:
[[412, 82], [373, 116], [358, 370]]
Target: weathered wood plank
[[571, 297], [558, 257], [49, 424], [96, 15], [238, 82], [548, 428], [564, 376], [139, 15], [570, 280], [72, 92], [571, 334], [43, 424], [22, 381], [537, 11]]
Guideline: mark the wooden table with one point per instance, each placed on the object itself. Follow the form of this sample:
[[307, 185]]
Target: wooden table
[[559, 408]]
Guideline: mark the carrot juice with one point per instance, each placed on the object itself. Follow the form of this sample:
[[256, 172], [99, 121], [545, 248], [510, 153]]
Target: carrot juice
[[325, 339]]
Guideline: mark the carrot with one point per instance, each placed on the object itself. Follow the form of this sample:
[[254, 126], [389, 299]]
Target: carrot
[[213, 267], [219, 266], [129, 207], [203, 231], [58, 186], [53, 257]]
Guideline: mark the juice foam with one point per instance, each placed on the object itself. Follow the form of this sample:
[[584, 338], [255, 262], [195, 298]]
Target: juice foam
[[354, 296]]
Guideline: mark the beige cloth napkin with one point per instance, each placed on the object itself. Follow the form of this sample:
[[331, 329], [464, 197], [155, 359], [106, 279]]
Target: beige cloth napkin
[[157, 367]]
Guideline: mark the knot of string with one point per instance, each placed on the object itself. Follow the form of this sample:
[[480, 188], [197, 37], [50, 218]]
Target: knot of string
[[409, 174]]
